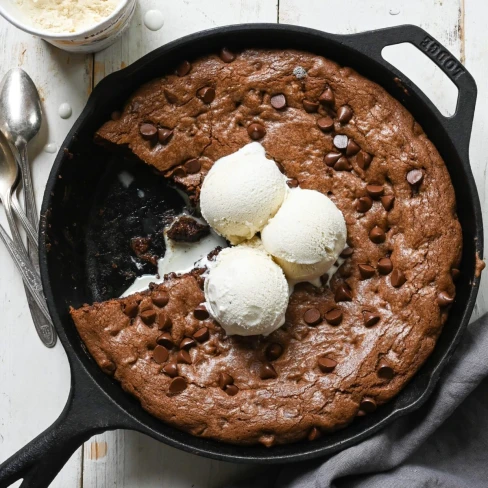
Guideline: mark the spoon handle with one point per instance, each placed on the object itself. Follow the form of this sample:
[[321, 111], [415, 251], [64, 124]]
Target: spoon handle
[[29, 229], [30, 200], [45, 328]]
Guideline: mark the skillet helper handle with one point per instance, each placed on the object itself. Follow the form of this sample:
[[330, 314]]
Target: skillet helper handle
[[88, 412], [372, 43]]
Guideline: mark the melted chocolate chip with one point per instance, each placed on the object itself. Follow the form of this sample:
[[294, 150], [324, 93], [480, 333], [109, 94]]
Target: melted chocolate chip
[[326, 365], [397, 278], [131, 309], [187, 343], [160, 298], [334, 316], [385, 266], [310, 107], [364, 160], [183, 69], [274, 351], [226, 55], [375, 191], [192, 166], [183, 357], [278, 101], [312, 316], [256, 131], [331, 158], [178, 385], [347, 252], [327, 97], [364, 204], [366, 271], [344, 114], [292, 183], [148, 316], [267, 372], [160, 354], [206, 94], [387, 202], [343, 293], [201, 335], [231, 390], [325, 124], [444, 300], [225, 380], [201, 313], [370, 318], [377, 235]]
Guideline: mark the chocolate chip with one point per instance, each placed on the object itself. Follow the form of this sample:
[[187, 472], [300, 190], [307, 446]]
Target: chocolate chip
[[387, 202], [165, 340], [164, 322], [171, 369], [327, 97], [334, 316], [344, 114], [331, 158], [116, 115], [364, 204], [443, 299], [385, 371], [310, 107], [455, 273], [178, 385], [347, 252], [160, 299], [274, 351], [278, 101], [267, 372], [179, 172], [415, 177], [226, 55], [325, 123], [326, 365], [342, 164], [375, 191], [183, 69], [312, 316], [370, 318], [292, 183], [183, 357], [256, 131], [366, 271], [231, 390], [367, 405], [187, 343], [148, 131], [397, 278], [385, 266], [206, 94], [148, 316], [364, 160], [361, 413], [314, 434], [192, 166], [352, 148], [164, 135], [377, 235], [225, 379], [160, 354], [340, 141], [201, 313], [131, 308], [201, 335], [343, 293]]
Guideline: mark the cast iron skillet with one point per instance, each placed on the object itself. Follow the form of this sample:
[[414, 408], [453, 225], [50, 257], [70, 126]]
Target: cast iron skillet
[[97, 403]]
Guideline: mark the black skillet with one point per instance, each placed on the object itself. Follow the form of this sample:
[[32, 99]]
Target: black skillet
[[82, 183]]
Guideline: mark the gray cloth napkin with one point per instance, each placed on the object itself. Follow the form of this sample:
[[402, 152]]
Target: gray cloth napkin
[[443, 444]]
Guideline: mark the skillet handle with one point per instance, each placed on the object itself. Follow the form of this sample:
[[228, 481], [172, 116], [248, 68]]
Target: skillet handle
[[88, 411], [372, 43]]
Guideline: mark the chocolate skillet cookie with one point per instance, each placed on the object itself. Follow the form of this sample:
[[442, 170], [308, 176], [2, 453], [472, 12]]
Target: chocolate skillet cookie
[[345, 348]]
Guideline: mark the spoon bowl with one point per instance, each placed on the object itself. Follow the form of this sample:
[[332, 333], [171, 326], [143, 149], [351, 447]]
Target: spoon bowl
[[9, 170]]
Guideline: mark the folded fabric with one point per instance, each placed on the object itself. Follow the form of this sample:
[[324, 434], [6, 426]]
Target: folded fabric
[[443, 444]]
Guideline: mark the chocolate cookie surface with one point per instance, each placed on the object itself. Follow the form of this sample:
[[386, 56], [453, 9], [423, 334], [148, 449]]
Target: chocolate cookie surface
[[345, 348]]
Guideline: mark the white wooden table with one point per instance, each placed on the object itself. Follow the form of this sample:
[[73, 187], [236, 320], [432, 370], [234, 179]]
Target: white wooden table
[[34, 381]]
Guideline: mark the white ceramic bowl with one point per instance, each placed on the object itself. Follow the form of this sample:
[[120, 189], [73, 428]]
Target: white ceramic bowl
[[93, 39]]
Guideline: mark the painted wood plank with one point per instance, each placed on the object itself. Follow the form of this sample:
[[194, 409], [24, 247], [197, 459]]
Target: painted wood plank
[[476, 61], [34, 381], [131, 459]]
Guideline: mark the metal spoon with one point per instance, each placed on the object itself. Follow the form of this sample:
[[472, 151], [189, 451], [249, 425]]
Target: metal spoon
[[20, 121], [9, 173]]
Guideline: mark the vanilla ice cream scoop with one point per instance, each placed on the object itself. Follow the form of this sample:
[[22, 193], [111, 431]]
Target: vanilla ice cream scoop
[[241, 192], [306, 235], [246, 292]]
